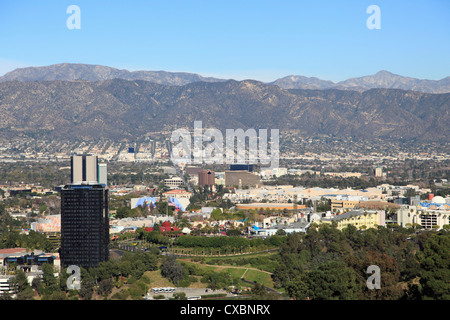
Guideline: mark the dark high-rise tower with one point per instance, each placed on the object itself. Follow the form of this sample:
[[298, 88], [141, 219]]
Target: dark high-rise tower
[[84, 225]]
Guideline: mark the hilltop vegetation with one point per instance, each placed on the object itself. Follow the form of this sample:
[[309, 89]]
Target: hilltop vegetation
[[326, 263]]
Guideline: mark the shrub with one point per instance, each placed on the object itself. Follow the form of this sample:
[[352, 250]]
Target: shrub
[[145, 279], [184, 283]]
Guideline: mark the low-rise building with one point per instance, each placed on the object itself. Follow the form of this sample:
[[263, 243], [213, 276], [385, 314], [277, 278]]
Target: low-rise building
[[178, 193], [298, 226], [4, 285], [342, 205], [358, 218], [427, 218], [242, 179], [268, 206], [173, 183]]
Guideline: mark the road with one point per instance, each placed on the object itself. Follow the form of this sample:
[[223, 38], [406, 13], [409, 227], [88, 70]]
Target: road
[[190, 292]]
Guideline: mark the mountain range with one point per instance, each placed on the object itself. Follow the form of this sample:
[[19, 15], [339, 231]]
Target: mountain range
[[126, 109], [74, 71], [382, 79], [89, 72]]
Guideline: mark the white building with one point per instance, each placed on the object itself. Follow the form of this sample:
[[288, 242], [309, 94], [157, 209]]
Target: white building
[[173, 183], [299, 226], [4, 284], [428, 217]]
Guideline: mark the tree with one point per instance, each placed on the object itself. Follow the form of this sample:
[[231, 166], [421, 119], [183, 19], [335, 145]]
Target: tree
[[50, 282], [4, 295], [217, 214], [333, 280], [163, 208], [171, 269], [87, 285], [435, 262], [391, 288], [298, 288], [37, 285], [233, 232], [26, 294], [19, 285], [258, 291], [123, 212], [180, 296], [87, 288], [105, 287], [125, 267]]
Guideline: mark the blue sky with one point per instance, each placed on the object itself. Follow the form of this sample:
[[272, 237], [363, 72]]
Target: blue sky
[[262, 40]]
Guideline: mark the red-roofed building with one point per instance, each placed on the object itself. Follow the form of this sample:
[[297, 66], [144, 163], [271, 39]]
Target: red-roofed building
[[12, 250], [164, 228]]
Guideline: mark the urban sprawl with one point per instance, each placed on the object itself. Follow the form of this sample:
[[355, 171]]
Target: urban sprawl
[[107, 205]]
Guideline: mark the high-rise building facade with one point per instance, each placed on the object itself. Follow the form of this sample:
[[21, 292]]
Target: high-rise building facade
[[206, 178], [84, 225], [378, 172], [84, 168], [102, 174]]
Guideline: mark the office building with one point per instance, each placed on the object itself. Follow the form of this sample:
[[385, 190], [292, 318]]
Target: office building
[[206, 178], [241, 179], [378, 172], [102, 174], [84, 225], [343, 205], [241, 167], [84, 168], [173, 183], [193, 171]]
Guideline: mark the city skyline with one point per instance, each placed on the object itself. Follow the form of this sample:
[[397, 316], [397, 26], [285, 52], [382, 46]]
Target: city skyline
[[135, 161]]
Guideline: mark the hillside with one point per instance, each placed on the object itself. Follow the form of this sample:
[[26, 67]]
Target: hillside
[[124, 109]]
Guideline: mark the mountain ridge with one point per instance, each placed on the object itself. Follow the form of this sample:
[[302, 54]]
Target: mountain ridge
[[91, 72], [79, 71], [382, 79]]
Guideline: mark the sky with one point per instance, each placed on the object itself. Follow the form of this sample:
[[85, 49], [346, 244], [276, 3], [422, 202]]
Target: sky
[[246, 39]]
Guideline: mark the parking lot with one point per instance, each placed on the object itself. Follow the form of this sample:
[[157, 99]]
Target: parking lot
[[190, 292]]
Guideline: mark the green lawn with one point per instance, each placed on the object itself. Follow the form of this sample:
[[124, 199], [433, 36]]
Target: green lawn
[[260, 277], [238, 272]]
